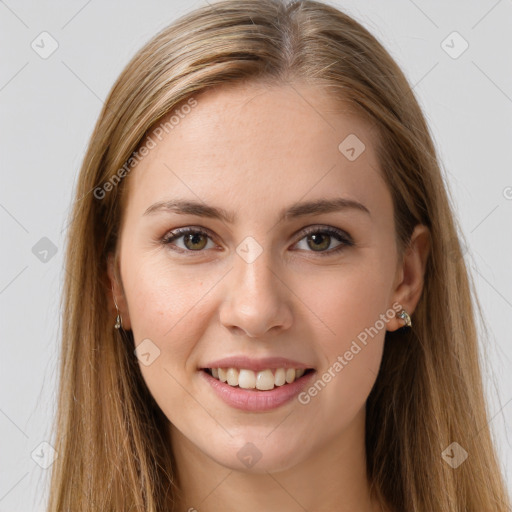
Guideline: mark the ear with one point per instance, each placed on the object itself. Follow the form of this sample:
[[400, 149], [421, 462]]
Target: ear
[[117, 292], [410, 274]]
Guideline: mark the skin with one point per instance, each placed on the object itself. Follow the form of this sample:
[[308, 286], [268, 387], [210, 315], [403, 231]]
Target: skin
[[253, 150]]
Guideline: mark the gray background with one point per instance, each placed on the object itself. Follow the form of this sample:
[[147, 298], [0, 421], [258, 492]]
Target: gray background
[[48, 110]]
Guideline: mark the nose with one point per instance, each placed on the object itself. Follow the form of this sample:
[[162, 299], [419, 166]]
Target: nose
[[257, 300]]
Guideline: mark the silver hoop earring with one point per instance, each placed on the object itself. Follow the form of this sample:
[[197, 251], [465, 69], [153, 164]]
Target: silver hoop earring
[[405, 317]]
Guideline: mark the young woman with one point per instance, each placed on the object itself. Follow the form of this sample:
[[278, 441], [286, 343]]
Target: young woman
[[266, 306]]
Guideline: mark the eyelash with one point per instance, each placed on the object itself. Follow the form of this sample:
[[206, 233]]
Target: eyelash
[[341, 236]]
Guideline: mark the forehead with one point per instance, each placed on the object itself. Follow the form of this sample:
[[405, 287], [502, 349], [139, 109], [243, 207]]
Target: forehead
[[252, 143], [287, 121]]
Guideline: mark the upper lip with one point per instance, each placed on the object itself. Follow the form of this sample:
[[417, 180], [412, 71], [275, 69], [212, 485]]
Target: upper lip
[[256, 364]]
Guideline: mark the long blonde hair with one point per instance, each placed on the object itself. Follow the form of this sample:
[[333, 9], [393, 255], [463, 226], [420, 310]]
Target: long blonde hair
[[113, 452]]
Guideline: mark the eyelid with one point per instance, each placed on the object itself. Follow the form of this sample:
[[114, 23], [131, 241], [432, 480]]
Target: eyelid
[[185, 229]]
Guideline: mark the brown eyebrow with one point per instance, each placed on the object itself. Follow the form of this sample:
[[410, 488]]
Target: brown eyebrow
[[317, 207]]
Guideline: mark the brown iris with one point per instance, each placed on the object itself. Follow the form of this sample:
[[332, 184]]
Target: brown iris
[[320, 241], [193, 241]]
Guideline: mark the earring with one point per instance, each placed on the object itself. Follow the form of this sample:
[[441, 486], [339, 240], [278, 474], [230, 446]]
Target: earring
[[119, 322], [405, 317]]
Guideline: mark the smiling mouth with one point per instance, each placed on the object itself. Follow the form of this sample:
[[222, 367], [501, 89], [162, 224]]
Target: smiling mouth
[[264, 380]]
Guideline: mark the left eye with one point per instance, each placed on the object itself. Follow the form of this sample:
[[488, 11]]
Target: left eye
[[195, 240], [320, 238]]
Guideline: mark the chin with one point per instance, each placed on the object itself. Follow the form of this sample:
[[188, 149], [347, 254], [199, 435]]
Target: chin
[[258, 456]]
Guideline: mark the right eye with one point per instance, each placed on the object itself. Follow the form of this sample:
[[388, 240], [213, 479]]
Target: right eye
[[194, 240]]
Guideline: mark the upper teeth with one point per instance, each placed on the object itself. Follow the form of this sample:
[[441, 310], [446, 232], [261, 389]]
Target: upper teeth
[[263, 380]]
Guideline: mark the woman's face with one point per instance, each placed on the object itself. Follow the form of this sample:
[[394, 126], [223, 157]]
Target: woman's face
[[258, 286]]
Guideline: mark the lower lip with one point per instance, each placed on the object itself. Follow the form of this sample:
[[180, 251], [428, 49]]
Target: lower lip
[[254, 400]]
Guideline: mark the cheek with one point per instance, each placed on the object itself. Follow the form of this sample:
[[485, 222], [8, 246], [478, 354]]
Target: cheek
[[352, 359], [163, 299], [352, 306], [348, 301], [164, 306]]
